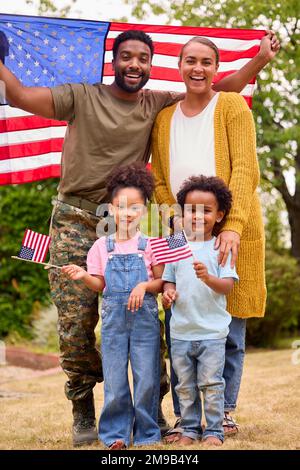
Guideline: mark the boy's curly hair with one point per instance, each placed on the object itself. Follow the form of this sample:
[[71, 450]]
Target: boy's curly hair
[[210, 184], [134, 175]]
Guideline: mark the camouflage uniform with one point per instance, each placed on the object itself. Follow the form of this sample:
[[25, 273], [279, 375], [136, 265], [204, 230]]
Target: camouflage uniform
[[73, 232]]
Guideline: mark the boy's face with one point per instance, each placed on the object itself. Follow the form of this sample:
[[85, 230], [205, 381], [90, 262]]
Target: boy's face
[[127, 207], [201, 213]]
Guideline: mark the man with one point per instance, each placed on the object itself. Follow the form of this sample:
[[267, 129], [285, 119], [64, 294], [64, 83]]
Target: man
[[108, 125]]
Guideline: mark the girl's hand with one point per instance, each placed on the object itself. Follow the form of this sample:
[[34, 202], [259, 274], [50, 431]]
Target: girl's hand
[[201, 271], [169, 296], [74, 272], [136, 297], [228, 241]]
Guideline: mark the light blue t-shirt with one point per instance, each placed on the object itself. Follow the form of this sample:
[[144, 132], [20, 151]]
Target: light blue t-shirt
[[199, 312]]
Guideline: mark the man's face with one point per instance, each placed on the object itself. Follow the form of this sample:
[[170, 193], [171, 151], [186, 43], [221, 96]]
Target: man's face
[[132, 65]]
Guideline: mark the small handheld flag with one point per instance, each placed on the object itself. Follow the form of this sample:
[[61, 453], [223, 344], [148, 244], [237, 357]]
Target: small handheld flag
[[172, 248], [34, 248]]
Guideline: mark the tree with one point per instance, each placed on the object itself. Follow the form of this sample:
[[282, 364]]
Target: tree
[[48, 7], [276, 103]]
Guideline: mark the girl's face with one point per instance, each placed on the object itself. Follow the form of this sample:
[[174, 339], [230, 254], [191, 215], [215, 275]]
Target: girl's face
[[198, 67], [201, 212], [127, 207]]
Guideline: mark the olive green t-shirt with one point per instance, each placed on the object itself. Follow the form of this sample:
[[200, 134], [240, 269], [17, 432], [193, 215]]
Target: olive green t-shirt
[[103, 132]]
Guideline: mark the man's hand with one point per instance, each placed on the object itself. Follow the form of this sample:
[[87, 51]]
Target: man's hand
[[169, 296], [201, 271], [136, 297], [269, 46], [74, 272], [228, 241]]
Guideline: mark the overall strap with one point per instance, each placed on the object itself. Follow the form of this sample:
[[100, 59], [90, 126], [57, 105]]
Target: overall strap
[[142, 243], [110, 243]]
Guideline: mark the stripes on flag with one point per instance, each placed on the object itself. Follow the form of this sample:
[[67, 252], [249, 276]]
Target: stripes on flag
[[34, 246], [173, 248], [52, 51]]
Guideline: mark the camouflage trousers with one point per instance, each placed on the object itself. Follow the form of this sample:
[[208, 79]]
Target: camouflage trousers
[[73, 232]]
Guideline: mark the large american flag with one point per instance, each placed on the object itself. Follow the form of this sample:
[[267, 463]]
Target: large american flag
[[50, 51]]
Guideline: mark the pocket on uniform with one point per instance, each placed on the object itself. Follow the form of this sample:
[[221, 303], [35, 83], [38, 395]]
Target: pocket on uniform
[[60, 258]]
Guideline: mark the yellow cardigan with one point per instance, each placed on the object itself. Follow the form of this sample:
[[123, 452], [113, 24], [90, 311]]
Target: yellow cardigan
[[236, 163]]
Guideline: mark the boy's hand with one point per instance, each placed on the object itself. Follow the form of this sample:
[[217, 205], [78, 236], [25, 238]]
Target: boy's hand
[[169, 296], [74, 272], [136, 297], [201, 271]]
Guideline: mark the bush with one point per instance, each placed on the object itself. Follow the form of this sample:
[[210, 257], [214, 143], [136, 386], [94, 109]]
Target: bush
[[283, 302], [23, 286]]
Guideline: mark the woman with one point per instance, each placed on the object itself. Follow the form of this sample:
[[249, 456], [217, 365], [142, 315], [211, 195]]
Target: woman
[[213, 134]]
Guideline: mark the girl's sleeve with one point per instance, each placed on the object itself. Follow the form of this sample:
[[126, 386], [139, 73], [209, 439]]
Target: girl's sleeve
[[94, 259]]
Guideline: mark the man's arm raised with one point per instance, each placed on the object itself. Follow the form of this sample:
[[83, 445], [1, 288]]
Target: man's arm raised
[[269, 46], [35, 100]]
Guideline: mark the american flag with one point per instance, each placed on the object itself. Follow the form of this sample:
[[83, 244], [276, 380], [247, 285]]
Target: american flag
[[51, 51], [34, 246], [170, 249]]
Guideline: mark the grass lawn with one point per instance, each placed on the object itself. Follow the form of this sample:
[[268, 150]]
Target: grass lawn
[[36, 415]]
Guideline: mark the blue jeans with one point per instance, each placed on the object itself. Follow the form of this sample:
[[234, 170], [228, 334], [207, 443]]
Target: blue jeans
[[234, 361], [199, 367]]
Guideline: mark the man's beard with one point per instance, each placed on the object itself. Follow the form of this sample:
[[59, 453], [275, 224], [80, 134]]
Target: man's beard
[[119, 79]]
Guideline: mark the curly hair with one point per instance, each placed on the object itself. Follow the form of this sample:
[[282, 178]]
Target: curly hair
[[135, 176], [136, 35], [209, 184]]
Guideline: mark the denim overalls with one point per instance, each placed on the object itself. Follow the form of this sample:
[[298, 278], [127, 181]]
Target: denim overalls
[[126, 335]]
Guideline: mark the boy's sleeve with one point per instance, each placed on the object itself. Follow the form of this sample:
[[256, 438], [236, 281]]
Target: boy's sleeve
[[169, 273], [227, 271]]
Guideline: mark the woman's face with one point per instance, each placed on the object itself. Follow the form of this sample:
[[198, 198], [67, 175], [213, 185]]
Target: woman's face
[[198, 67]]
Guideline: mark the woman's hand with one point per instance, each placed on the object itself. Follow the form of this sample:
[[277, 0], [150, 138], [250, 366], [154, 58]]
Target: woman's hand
[[269, 46], [74, 272], [169, 296], [228, 241], [136, 297]]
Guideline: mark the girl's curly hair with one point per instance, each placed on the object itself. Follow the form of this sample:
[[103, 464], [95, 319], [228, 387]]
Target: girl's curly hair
[[134, 175]]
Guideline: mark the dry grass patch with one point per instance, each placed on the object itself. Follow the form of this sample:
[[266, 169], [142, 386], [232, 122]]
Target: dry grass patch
[[36, 415]]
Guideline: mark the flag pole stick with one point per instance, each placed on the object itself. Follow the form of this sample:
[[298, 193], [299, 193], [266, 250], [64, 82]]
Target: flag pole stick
[[194, 258], [47, 265]]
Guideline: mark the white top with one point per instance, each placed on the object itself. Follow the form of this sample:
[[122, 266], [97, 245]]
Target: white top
[[192, 148]]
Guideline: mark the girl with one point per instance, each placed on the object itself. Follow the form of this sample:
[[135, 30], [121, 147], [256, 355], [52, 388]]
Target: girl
[[123, 266]]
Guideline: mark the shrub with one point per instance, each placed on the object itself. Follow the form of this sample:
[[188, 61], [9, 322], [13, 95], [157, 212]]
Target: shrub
[[283, 302], [23, 286]]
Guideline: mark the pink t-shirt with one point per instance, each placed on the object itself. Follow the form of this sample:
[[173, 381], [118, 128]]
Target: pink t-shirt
[[98, 255]]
